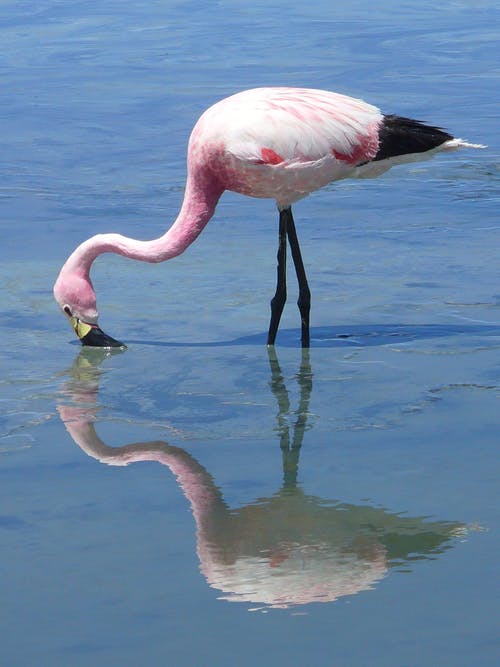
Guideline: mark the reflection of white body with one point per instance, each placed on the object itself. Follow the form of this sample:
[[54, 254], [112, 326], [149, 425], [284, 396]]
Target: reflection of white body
[[289, 549], [295, 574]]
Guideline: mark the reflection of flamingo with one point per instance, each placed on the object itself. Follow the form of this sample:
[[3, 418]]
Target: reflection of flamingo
[[278, 143], [285, 550]]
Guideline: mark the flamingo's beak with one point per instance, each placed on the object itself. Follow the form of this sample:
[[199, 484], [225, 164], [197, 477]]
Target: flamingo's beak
[[92, 335]]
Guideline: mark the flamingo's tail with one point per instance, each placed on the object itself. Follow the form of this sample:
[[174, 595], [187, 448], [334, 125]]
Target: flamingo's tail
[[399, 137], [455, 144]]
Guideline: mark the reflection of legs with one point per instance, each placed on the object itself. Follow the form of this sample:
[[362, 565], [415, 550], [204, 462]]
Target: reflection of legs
[[304, 301], [278, 300], [291, 451], [304, 379], [279, 390]]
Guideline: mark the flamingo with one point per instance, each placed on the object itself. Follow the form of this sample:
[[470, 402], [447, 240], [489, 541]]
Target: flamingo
[[279, 143]]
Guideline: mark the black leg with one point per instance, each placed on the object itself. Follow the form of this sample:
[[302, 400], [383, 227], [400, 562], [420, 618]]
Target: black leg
[[304, 301], [278, 300]]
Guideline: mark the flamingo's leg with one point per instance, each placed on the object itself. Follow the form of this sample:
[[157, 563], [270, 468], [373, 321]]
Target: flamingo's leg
[[279, 299], [304, 300]]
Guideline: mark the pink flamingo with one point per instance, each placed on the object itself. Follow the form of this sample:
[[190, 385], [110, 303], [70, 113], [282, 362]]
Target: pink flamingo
[[277, 143]]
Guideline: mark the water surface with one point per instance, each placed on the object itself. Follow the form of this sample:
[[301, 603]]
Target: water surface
[[197, 499]]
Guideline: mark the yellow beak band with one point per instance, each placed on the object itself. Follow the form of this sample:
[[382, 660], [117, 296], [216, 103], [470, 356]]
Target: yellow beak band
[[80, 328]]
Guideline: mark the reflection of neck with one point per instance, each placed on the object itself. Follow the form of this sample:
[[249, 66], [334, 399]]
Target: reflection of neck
[[215, 523], [196, 483]]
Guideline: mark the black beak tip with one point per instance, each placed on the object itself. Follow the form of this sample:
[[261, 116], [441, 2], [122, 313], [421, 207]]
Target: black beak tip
[[97, 338]]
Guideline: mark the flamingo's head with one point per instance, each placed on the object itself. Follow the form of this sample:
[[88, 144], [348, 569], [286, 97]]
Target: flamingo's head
[[75, 295]]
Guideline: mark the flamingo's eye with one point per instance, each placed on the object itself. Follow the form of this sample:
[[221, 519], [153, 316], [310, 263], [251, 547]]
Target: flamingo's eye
[[67, 310]]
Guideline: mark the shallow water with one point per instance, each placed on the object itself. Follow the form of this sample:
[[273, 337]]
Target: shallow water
[[197, 499]]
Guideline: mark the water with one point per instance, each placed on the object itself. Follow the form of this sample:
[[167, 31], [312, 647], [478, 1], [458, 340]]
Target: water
[[196, 500]]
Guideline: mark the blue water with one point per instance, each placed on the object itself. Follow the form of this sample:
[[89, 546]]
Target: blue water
[[331, 508]]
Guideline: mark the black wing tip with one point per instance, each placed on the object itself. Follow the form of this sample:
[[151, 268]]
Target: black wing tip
[[399, 135]]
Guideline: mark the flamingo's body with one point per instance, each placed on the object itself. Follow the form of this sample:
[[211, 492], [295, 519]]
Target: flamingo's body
[[278, 143]]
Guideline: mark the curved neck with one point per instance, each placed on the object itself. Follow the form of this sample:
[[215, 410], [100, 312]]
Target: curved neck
[[200, 199], [196, 483]]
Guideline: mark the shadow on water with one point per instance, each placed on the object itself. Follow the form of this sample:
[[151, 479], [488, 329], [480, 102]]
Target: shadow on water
[[341, 336], [284, 550]]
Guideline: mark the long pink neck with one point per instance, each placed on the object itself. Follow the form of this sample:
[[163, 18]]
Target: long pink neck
[[200, 199]]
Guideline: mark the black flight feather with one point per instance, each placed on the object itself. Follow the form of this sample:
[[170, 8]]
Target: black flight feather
[[404, 136]]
